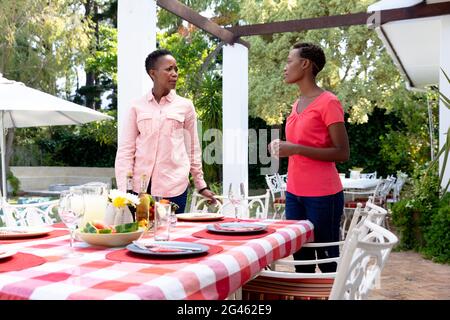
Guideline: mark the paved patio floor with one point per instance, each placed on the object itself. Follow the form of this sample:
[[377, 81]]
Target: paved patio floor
[[408, 276]]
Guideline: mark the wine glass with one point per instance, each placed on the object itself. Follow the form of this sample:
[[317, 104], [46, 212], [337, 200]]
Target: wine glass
[[71, 210], [235, 201]]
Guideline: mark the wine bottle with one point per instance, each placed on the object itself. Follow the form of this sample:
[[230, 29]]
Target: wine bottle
[[144, 204], [130, 190]]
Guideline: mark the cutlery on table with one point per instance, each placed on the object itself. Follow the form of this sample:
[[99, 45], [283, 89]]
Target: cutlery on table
[[150, 246]]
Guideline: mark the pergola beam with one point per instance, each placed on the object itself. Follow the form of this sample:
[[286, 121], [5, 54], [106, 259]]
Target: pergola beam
[[200, 21], [419, 11]]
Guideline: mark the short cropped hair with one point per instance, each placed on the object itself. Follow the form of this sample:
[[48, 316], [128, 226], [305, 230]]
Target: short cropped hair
[[153, 57], [314, 53]]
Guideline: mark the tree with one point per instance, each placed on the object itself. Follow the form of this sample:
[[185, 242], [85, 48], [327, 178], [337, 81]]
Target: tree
[[41, 44], [101, 64], [357, 68]]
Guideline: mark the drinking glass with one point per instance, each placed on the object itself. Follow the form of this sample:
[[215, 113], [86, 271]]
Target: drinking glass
[[235, 201], [71, 211], [161, 226]]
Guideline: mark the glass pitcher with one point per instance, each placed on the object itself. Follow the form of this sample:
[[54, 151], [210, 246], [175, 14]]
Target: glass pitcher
[[95, 200]]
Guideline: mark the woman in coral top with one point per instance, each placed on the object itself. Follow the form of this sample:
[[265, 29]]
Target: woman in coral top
[[316, 139]]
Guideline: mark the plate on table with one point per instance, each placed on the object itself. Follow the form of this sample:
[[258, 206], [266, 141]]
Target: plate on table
[[167, 248], [24, 232], [109, 239], [236, 227], [199, 216], [6, 254]]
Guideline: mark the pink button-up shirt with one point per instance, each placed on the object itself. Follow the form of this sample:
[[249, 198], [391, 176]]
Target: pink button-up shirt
[[161, 141]]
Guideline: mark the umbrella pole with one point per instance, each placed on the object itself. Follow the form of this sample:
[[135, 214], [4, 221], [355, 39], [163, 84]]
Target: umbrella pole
[[2, 147]]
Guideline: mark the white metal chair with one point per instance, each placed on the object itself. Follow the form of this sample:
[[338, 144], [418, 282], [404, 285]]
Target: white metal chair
[[394, 196], [200, 203], [371, 211], [369, 207], [364, 255], [363, 260], [352, 199], [383, 189], [33, 214], [283, 179], [259, 205], [277, 187], [376, 196], [252, 206]]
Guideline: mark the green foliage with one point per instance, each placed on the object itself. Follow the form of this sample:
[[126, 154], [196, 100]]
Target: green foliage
[[91, 145], [14, 182], [42, 41], [209, 106], [357, 69], [437, 235], [68, 147], [190, 53], [103, 64], [404, 217], [421, 216], [226, 12], [367, 142]]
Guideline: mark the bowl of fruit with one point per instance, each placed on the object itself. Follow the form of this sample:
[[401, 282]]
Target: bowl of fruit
[[99, 234]]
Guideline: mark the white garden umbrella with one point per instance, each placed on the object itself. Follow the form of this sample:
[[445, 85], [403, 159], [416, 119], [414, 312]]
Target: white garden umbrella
[[22, 106]]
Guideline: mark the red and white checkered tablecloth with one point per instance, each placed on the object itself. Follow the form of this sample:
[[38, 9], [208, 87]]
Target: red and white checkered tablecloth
[[92, 276]]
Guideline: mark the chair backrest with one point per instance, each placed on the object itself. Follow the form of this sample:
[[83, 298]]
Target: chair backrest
[[33, 214], [259, 205], [377, 214], [371, 175], [383, 188], [362, 261], [200, 203], [283, 178], [276, 185], [398, 185]]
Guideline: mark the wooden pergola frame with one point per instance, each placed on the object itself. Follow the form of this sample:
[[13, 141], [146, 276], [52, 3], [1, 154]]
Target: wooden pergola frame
[[232, 35]]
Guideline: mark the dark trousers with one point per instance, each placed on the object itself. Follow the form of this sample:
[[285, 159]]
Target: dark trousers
[[325, 214], [180, 200]]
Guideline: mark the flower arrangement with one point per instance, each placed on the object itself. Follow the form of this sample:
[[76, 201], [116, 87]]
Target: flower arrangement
[[121, 199], [117, 211]]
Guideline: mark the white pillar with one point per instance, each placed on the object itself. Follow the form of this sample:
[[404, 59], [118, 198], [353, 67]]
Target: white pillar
[[136, 24], [235, 117], [444, 87]]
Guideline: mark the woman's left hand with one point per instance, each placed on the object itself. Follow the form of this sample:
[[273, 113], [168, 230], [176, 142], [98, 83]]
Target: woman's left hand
[[287, 149], [210, 195]]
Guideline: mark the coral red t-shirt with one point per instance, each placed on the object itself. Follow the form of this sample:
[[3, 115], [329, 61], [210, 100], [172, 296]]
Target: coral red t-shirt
[[306, 176]]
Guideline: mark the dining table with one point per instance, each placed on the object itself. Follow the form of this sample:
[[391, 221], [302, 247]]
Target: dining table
[[105, 273], [348, 183]]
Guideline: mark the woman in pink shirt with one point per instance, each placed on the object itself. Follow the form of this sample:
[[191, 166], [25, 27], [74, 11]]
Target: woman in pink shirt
[[316, 139], [160, 138]]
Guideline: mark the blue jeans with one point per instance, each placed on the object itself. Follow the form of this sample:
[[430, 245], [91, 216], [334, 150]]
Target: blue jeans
[[180, 200], [325, 214]]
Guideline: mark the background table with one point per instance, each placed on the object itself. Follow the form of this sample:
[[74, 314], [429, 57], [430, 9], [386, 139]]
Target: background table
[[359, 183]]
